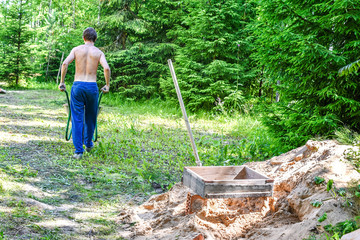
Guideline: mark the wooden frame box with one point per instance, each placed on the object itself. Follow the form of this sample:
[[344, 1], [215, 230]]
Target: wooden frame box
[[227, 182]]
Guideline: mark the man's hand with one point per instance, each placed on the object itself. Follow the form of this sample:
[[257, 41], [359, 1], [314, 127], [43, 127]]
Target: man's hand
[[105, 89], [62, 87]]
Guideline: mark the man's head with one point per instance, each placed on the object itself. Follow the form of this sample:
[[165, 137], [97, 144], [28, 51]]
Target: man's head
[[89, 34]]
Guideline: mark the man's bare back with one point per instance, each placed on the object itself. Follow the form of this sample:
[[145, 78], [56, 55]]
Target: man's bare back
[[87, 58]]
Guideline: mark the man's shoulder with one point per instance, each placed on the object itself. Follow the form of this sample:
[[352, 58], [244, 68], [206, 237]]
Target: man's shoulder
[[82, 48], [97, 49], [77, 48], [98, 52]]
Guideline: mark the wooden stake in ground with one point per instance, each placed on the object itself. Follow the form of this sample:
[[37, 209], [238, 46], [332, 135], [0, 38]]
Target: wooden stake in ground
[[184, 112], [57, 78]]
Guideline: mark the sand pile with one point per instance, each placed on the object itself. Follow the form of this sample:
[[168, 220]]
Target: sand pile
[[288, 215]]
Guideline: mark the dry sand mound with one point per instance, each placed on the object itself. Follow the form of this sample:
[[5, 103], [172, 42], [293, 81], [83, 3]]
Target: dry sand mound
[[288, 215]]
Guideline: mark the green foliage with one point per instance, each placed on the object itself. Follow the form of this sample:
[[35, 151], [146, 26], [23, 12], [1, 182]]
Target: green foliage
[[58, 28], [145, 149], [341, 192], [161, 16], [120, 23], [341, 228], [14, 37], [354, 157], [357, 191], [2, 190], [318, 180], [35, 34], [316, 203], [137, 70], [337, 231], [226, 53], [350, 68], [329, 185], [322, 217], [294, 125], [347, 136], [348, 196], [212, 60], [301, 45]]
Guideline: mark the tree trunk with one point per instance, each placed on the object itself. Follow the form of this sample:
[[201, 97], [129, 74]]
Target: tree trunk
[[260, 87], [123, 42], [73, 5], [40, 12], [48, 63], [50, 6], [5, 17], [62, 16], [277, 92], [49, 49], [19, 44], [98, 22], [57, 78]]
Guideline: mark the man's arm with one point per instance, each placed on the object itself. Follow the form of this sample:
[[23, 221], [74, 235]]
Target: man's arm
[[106, 67], [64, 69]]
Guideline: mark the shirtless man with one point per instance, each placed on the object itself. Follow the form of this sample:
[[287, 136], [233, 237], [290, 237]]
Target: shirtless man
[[84, 92]]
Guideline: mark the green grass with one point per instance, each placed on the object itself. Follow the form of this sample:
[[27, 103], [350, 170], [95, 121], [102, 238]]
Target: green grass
[[148, 142], [139, 143], [347, 136], [30, 85]]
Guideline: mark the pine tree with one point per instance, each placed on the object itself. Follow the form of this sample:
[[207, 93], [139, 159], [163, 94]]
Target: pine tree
[[137, 45], [120, 22], [212, 61], [303, 44], [14, 38]]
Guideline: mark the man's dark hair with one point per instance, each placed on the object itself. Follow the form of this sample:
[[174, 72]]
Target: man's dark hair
[[89, 34]]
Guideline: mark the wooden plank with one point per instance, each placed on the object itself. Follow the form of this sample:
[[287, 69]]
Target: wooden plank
[[191, 171], [217, 173], [238, 195], [220, 188], [221, 172], [218, 170], [238, 182], [194, 182], [253, 174]]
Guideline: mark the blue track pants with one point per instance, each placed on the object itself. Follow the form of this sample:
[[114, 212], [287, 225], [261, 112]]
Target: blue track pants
[[84, 107]]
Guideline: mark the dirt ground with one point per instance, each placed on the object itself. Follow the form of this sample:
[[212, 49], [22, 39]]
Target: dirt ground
[[288, 214]]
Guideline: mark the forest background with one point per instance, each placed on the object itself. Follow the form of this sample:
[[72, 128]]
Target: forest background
[[278, 60]]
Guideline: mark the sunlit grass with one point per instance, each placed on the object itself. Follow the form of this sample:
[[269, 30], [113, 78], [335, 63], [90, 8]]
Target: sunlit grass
[[140, 143], [149, 141]]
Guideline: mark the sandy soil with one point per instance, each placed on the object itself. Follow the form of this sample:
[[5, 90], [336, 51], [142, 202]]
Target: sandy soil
[[287, 215]]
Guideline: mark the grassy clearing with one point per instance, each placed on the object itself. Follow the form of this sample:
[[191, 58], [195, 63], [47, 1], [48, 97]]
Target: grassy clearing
[[48, 195], [149, 140]]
